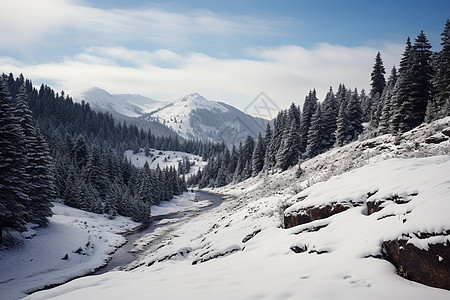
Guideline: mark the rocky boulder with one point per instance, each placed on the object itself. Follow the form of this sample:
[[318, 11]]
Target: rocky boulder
[[430, 267], [310, 214]]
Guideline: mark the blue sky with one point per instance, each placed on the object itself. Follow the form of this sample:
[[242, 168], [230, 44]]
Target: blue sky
[[224, 50]]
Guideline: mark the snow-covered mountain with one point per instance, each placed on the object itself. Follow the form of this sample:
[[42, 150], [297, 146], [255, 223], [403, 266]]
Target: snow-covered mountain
[[124, 107], [130, 105], [195, 117], [192, 117]]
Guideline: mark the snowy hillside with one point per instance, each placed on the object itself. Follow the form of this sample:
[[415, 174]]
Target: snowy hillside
[[86, 238], [391, 188], [165, 159], [130, 105], [195, 117]]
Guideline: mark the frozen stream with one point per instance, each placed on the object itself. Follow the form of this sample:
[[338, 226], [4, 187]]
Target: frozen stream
[[123, 256]]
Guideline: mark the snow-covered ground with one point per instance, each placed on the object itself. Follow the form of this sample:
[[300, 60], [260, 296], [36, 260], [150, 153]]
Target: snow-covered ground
[[165, 159], [87, 238], [241, 251], [185, 202]]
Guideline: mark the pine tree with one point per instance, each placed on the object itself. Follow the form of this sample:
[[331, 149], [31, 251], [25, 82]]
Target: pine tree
[[258, 156], [38, 170], [330, 111], [421, 90], [384, 107], [378, 81], [13, 198], [354, 115], [233, 164], [401, 90], [343, 126], [287, 155], [315, 135], [442, 75], [309, 108], [273, 147]]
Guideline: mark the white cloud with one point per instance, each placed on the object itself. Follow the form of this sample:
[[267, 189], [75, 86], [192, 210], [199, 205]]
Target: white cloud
[[41, 23], [285, 73]]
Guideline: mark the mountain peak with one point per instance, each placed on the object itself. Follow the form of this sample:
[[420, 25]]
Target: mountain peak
[[194, 97], [131, 105]]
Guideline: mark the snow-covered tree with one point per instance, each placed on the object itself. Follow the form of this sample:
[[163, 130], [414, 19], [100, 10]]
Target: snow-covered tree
[[378, 82], [420, 74], [258, 156], [315, 135], [309, 108], [329, 111], [13, 197], [354, 115], [441, 79]]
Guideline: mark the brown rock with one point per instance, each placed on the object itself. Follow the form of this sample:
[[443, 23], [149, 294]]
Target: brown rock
[[436, 138], [313, 213], [430, 267]]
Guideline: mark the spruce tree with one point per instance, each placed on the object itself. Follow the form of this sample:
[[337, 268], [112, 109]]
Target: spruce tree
[[329, 111], [287, 155], [273, 147], [309, 108], [38, 170], [420, 88], [378, 81], [258, 156], [384, 107], [401, 90], [442, 76], [315, 134], [13, 197], [354, 115], [343, 126]]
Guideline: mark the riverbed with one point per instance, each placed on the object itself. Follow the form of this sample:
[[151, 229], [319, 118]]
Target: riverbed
[[127, 253]]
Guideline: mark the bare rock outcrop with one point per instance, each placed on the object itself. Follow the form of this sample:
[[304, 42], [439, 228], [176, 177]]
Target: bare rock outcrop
[[430, 267]]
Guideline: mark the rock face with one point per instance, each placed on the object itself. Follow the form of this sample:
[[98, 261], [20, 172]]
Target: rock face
[[430, 267], [313, 213]]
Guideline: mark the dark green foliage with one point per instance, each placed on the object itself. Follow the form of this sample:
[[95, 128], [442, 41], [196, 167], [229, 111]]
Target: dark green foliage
[[258, 156], [354, 115], [378, 81], [13, 196], [384, 107], [401, 90], [420, 90], [343, 127], [330, 111], [309, 108], [315, 135], [440, 106]]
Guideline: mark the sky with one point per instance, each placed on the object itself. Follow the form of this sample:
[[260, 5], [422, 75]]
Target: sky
[[228, 51]]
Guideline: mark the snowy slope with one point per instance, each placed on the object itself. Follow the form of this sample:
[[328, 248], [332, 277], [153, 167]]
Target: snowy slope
[[131, 105], [195, 117], [241, 251], [86, 238], [165, 159]]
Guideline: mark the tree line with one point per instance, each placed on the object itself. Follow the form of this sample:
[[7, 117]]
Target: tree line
[[419, 91]]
